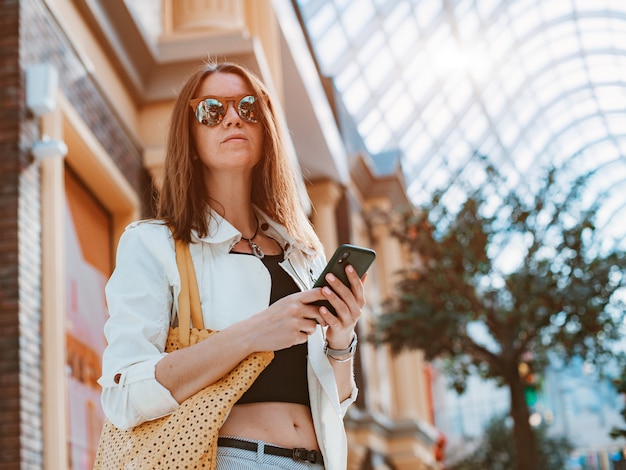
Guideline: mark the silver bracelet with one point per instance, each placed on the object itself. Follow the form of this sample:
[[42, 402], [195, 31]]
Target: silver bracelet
[[338, 355], [349, 358]]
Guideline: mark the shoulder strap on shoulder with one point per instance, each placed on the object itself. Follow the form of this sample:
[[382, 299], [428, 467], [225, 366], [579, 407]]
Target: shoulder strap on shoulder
[[189, 308]]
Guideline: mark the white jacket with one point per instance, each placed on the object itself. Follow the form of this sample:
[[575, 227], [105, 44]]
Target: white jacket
[[142, 295]]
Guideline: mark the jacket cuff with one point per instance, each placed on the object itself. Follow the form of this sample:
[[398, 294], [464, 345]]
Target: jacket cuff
[[134, 396], [344, 405]]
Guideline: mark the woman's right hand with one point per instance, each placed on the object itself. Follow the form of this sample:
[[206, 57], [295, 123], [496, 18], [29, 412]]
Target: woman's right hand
[[285, 323]]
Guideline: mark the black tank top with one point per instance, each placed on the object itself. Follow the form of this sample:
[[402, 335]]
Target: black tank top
[[285, 378]]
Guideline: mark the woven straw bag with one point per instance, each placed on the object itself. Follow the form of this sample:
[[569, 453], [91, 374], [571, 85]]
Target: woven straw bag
[[187, 438]]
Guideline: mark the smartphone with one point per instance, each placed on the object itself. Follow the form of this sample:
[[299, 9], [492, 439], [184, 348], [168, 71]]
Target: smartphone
[[360, 258]]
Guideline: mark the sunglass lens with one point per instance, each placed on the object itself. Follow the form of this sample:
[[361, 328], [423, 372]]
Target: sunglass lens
[[210, 112], [247, 109]]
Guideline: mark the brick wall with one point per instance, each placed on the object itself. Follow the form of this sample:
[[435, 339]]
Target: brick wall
[[10, 91], [42, 41], [28, 34]]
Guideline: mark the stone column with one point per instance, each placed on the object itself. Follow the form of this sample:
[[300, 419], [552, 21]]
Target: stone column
[[408, 394], [55, 429], [324, 196], [190, 15]]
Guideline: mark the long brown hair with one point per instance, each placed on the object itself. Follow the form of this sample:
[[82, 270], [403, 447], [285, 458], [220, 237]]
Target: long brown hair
[[183, 199]]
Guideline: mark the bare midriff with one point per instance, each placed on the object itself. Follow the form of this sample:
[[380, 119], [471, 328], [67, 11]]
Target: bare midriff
[[283, 424]]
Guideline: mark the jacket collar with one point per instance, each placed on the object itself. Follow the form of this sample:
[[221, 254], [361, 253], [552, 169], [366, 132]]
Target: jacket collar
[[222, 232]]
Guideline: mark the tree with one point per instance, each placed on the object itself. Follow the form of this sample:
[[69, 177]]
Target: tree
[[620, 386], [529, 268], [496, 450]]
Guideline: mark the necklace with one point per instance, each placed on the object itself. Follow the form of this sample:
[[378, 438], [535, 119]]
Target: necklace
[[256, 249]]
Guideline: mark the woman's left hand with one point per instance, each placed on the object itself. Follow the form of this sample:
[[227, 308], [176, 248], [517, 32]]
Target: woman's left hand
[[348, 302]]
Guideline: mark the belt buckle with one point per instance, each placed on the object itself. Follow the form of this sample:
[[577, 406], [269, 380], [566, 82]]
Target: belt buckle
[[305, 455]]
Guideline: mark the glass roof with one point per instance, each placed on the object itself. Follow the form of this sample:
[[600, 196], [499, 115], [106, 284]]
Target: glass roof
[[522, 82]]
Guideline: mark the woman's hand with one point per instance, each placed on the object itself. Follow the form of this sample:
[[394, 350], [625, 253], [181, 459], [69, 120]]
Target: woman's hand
[[348, 302], [290, 320], [287, 322]]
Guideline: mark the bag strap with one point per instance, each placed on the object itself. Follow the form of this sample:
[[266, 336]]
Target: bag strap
[[189, 308]]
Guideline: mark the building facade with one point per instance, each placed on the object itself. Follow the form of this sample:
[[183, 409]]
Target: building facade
[[87, 88]]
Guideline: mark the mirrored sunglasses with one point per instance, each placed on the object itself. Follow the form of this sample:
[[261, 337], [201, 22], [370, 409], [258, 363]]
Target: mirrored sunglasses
[[210, 110]]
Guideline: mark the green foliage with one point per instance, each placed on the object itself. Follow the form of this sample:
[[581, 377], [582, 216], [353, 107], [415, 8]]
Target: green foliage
[[529, 270], [558, 297], [496, 451]]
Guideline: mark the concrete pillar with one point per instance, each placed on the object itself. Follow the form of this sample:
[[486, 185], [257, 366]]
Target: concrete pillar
[[324, 196], [190, 15], [55, 428], [410, 399]]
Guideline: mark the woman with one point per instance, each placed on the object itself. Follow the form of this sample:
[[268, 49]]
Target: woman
[[230, 191]]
